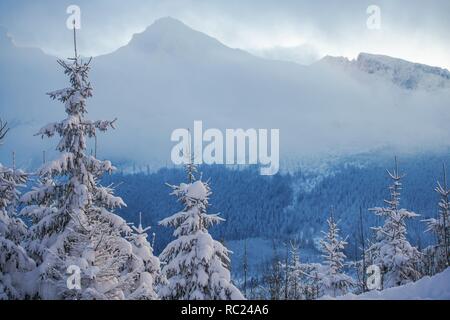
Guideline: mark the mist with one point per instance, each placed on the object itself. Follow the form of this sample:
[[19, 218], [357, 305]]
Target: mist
[[170, 76]]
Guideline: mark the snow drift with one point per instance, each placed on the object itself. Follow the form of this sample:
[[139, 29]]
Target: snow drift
[[427, 288]]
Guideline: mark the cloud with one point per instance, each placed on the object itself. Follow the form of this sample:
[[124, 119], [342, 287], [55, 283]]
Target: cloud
[[154, 87], [332, 27], [304, 54]]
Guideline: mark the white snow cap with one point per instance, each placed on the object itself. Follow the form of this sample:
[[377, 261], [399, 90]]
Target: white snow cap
[[197, 191]]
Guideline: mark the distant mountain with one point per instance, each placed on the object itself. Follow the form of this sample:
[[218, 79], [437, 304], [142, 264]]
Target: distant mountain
[[170, 75], [405, 74], [173, 37]]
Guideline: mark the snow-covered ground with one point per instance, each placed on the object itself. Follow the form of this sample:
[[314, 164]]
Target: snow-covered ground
[[427, 288]]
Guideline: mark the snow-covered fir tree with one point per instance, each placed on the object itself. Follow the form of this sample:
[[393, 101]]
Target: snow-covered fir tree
[[73, 226], [146, 270], [14, 261], [333, 279], [440, 226], [191, 170], [295, 274], [303, 278], [194, 263], [391, 250], [275, 276], [361, 264], [190, 166], [311, 280]]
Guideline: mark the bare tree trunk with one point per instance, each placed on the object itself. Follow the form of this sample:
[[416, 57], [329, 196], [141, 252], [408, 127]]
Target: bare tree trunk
[[245, 266], [363, 247], [286, 273], [445, 217]]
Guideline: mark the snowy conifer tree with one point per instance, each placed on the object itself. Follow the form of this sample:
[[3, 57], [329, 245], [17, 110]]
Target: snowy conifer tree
[[145, 268], [333, 279], [194, 263], [190, 166], [14, 261], [304, 278], [441, 228], [295, 274], [391, 251], [274, 275], [73, 227]]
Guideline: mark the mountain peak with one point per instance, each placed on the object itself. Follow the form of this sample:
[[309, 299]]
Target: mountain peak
[[168, 22], [172, 35]]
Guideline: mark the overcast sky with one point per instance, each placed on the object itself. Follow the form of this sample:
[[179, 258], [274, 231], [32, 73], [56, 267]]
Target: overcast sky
[[291, 29]]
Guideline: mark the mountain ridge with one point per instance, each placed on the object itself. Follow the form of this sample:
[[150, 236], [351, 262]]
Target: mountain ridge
[[167, 32], [159, 86], [405, 74]]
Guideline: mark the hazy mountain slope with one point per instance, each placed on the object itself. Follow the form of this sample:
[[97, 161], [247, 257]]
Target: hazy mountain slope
[[171, 75], [25, 77]]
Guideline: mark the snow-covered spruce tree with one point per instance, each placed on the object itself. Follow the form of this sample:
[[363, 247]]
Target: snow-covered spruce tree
[[146, 270], [292, 279], [274, 276], [304, 278], [391, 251], [311, 280], [191, 170], [14, 261], [195, 263], [73, 227], [333, 279], [295, 273], [361, 265], [440, 226]]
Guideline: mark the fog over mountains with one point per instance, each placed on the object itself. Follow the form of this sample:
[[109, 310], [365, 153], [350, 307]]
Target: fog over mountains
[[405, 74], [170, 75]]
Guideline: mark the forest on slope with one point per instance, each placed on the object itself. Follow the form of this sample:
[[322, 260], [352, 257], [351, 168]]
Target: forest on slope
[[291, 205]]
